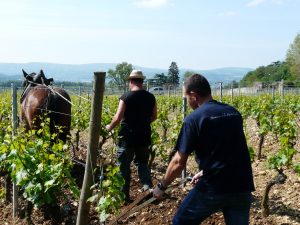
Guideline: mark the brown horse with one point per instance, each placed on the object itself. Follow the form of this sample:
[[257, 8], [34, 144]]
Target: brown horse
[[40, 99]]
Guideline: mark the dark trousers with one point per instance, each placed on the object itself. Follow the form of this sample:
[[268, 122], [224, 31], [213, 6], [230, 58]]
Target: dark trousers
[[141, 157], [197, 206]]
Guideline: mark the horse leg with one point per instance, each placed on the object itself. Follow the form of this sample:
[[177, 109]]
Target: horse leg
[[8, 185], [25, 121], [28, 212]]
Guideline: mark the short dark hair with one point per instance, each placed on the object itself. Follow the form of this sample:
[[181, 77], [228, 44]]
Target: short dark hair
[[198, 84], [137, 80]]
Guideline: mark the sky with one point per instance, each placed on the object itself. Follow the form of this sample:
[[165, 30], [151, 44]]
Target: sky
[[196, 34]]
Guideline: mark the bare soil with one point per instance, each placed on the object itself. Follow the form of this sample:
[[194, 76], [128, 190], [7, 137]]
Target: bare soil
[[284, 199]]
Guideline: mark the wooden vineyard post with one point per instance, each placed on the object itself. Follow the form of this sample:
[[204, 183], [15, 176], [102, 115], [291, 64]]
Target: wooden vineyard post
[[282, 91], [232, 93], [184, 101], [221, 91], [14, 126], [79, 93], [91, 158]]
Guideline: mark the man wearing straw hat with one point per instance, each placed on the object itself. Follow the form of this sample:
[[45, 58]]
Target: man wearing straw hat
[[136, 110]]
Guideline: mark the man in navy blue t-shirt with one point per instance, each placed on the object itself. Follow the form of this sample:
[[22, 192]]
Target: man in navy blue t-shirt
[[214, 132], [137, 109]]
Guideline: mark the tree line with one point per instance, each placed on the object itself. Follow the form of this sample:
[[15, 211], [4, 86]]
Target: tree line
[[18, 83], [119, 75]]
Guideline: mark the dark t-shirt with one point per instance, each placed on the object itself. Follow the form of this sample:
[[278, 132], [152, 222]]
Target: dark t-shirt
[[135, 128], [214, 131]]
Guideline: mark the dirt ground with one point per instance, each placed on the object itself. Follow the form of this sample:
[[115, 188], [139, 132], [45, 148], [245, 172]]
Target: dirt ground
[[284, 199]]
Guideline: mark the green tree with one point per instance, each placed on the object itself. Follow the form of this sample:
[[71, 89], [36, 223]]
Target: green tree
[[173, 74], [235, 84], [293, 57], [232, 84], [276, 71], [161, 78], [119, 76], [279, 71], [187, 74]]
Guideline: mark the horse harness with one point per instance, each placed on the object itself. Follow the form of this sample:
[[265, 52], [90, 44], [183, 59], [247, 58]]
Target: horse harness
[[47, 105]]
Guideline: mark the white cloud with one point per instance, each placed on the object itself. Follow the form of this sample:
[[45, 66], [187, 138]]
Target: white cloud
[[279, 2], [254, 3], [228, 14], [150, 3]]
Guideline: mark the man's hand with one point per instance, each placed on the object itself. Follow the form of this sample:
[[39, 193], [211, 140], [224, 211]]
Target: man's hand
[[158, 193], [196, 178], [107, 128]]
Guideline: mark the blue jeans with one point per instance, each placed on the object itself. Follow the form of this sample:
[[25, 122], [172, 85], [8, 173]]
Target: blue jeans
[[141, 157], [197, 206]]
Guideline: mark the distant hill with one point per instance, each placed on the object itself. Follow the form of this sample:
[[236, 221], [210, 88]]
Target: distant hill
[[226, 75], [84, 72], [4, 77], [60, 72]]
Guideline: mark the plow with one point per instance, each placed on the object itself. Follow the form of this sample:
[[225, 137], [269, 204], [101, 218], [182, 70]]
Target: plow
[[142, 201]]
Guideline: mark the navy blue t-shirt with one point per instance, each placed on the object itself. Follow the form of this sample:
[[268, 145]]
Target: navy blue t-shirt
[[135, 130], [214, 131]]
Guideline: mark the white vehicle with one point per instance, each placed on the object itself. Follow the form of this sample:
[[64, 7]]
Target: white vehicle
[[157, 90]]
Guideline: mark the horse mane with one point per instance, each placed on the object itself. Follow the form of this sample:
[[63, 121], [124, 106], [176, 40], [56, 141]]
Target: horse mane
[[37, 79], [24, 93]]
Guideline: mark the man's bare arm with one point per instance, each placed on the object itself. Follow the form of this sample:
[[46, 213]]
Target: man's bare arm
[[117, 117], [175, 167], [154, 113]]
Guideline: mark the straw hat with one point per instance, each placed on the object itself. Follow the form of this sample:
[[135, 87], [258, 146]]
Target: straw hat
[[138, 74]]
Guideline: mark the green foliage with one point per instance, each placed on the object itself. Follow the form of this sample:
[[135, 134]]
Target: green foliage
[[244, 105], [119, 76], [173, 74], [272, 116], [2, 192], [5, 114], [293, 57], [81, 115], [39, 168], [108, 195], [233, 84], [166, 128], [251, 152], [297, 168], [262, 112], [161, 79], [7, 84], [286, 128], [276, 71], [109, 108], [161, 125], [282, 159]]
